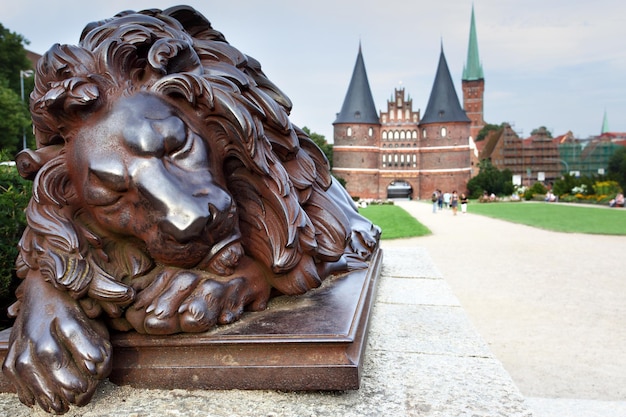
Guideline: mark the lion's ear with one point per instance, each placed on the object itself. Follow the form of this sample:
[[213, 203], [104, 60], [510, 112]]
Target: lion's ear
[[29, 161]]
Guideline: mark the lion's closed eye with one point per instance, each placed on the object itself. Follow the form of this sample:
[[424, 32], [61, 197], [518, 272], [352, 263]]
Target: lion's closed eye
[[105, 187], [176, 142]]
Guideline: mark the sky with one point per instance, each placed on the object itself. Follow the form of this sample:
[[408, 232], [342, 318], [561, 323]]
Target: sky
[[553, 63]]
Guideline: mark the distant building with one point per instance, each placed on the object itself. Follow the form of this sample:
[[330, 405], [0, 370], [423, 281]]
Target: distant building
[[373, 152], [590, 157], [534, 159]]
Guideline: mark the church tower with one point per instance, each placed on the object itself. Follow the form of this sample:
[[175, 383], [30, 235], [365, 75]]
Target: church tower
[[444, 137], [356, 134], [473, 83]]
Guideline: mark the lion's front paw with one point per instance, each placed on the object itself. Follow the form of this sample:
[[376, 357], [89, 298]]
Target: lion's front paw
[[195, 301], [56, 354]]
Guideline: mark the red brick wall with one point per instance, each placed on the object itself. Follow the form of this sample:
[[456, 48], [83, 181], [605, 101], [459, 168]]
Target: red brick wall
[[456, 134], [473, 93], [450, 181], [451, 158], [443, 162], [360, 135], [355, 157], [361, 184]]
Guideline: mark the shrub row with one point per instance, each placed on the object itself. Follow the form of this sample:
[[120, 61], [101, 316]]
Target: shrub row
[[15, 193]]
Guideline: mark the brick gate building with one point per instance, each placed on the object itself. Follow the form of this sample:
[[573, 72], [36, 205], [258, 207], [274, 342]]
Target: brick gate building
[[372, 150]]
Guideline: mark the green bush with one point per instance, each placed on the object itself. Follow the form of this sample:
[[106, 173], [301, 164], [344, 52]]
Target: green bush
[[14, 195], [569, 184], [536, 189], [491, 180]]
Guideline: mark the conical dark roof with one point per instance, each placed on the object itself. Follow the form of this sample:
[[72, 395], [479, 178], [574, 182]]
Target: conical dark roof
[[358, 106], [443, 104]]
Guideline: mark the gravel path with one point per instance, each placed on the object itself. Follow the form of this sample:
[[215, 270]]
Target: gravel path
[[550, 305]]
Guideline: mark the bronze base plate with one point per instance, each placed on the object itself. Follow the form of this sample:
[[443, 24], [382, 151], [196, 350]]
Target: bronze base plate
[[315, 341]]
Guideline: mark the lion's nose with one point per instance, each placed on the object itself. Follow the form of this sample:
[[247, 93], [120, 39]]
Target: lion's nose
[[185, 225], [188, 217]]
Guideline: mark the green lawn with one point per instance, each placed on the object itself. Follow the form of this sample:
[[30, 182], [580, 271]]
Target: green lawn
[[394, 221], [397, 223], [557, 217]]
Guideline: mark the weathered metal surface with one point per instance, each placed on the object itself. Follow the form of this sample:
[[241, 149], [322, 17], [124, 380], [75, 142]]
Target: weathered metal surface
[[311, 342]]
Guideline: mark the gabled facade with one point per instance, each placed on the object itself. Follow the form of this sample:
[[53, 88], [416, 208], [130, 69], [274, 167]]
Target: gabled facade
[[429, 153], [534, 159]]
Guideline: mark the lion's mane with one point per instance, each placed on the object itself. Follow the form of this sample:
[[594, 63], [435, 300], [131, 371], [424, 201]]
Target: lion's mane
[[277, 175]]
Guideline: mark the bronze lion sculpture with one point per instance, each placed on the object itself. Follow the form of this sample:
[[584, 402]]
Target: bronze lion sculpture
[[171, 193]]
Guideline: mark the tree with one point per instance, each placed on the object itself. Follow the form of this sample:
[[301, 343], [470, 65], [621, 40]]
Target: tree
[[541, 130], [320, 140], [14, 120], [13, 59], [491, 180], [617, 167], [486, 129], [14, 116]]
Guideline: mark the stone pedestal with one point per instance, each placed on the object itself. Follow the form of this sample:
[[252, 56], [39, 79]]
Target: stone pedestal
[[311, 342]]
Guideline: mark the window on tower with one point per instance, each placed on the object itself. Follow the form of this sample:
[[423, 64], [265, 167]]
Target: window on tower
[[349, 132], [444, 132]]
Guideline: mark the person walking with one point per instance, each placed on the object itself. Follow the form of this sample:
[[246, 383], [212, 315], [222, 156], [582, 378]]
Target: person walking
[[463, 203], [454, 202], [439, 200], [435, 199], [446, 199]]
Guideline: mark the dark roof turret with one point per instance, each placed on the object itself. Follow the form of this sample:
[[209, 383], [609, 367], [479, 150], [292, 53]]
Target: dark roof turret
[[358, 106], [443, 104]]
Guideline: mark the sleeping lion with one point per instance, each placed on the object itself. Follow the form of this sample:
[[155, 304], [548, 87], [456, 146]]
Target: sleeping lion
[[171, 193]]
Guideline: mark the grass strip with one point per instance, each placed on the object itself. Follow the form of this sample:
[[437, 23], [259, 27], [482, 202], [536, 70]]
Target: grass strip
[[394, 221], [557, 217]]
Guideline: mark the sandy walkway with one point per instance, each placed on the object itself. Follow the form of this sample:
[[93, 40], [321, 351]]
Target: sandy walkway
[[550, 305]]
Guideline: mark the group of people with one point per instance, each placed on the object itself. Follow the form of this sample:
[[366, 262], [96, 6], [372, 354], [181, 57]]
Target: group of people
[[449, 200]]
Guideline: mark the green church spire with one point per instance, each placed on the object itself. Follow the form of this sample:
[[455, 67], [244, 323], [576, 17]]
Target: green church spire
[[605, 124], [473, 70]]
